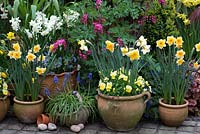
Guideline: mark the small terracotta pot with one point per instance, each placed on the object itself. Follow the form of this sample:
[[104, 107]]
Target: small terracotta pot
[[42, 119], [4, 105], [27, 112], [173, 115]]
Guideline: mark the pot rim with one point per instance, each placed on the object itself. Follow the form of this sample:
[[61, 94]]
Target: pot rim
[[134, 97], [27, 102], [173, 106], [4, 97], [61, 74]]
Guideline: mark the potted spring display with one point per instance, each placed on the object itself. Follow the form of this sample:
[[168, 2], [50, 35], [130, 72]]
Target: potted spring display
[[172, 79], [27, 62], [122, 92]]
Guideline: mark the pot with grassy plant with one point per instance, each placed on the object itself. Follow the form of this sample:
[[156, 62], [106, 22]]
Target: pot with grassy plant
[[4, 100], [172, 79], [122, 92], [70, 108]]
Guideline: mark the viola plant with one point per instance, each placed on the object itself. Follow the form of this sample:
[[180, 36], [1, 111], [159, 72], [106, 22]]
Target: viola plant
[[3, 85], [119, 67], [172, 77]]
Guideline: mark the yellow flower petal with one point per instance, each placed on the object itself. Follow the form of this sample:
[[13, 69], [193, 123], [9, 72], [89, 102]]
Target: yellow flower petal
[[10, 35], [160, 44], [180, 54], [179, 42], [134, 55], [110, 46], [36, 48], [180, 61], [197, 46], [170, 40]]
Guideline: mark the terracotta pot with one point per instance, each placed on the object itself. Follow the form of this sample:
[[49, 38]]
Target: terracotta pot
[[173, 115], [78, 117], [122, 113], [43, 119], [27, 112], [54, 89], [4, 106]]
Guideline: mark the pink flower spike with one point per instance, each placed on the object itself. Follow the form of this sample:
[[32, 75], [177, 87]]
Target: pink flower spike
[[84, 19], [98, 3], [98, 28]]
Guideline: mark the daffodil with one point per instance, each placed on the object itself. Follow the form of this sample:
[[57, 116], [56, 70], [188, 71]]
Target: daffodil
[[110, 46], [30, 57], [196, 65], [124, 51], [128, 88], [134, 55], [179, 42], [141, 42], [180, 61], [16, 46], [160, 44], [113, 74], [10, 35], [17, 55], [40, 70], [36, 48], [180, 54], [146, 49], [51, 47], [197, 46], [81, 42], [41, 58], [10, 54], [170, 40], [186, 21]]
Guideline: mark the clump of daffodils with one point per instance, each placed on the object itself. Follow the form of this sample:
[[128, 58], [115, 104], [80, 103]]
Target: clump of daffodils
[[190, 3], [120, 83]]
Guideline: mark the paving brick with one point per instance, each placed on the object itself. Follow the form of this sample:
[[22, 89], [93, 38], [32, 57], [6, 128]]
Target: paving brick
[[186, 129], [88, 132], [17, 126], [105, 132], [147, 131], [8, 131], [163, 127], [184, 133], [189, 123], [3, 126], [198, 129], [166, 132], [30, 127], [26, 132], [150, 125], [198, 124]]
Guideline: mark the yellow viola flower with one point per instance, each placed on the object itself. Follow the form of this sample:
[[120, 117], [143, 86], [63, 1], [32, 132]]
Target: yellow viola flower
[[5, 86], [186, 21], [113, 74], [106, 79], [30, 57], [102, 86], [41, 58], [110, 46], [180, 54], [40, 70], [3, 75], [179, 42], [10, 35], [128, 88], [51, 47], [197, 46], [16, 46], [180, 61], [196, 65], [170, 40], [17, 55], [160, 43], [108, 86], [124, 51], [1, 52], [5, 92], [134, 55], [36, 48]]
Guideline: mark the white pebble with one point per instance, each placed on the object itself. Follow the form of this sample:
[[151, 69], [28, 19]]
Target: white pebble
[[81, 126], [42, 127], [52, 126], [75, 128]]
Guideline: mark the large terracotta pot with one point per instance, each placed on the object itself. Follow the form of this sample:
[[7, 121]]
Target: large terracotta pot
[[55, 89], [78, 117], [173, 115], [4, 105], [27, 112], [122, 113]]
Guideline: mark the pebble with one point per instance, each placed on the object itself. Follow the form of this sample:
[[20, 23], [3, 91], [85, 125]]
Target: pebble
[[81, 126], [52, 126], [75, 128], [42, 127]]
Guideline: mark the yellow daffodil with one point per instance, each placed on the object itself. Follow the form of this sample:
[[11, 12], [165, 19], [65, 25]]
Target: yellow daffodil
[[51, 47], [3, 75], [180, 54], [124, 51], [128, 88], [36, 48], [180, 61], [10, 54], [108, 86], [160, 43], [110, 46], [186, 21], [179, 42], [113, 74], [5, 92], [16, 46], [171, 40], [41, 58], [197, 46], [134, 55], [10, 35], [17, 55], [102, 86], [196, 65], [40, 70], [30, 57]]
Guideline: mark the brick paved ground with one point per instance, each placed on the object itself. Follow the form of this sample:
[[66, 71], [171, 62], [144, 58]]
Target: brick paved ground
[[10, 125]]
